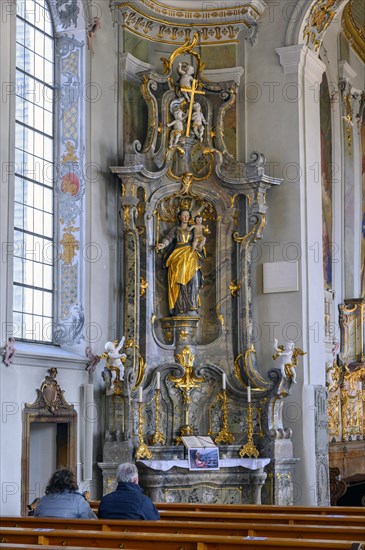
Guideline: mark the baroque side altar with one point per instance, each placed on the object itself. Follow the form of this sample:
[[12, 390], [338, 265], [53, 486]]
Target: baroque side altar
[[191, 214]]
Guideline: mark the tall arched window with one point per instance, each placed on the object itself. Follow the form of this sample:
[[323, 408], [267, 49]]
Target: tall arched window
[[34, 167]]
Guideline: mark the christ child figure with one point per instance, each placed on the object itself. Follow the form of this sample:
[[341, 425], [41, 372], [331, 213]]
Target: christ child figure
[[199, 239]]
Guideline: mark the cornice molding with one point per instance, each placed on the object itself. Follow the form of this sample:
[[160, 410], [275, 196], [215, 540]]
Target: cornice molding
[[158, 22], [132, 67], [295, 58], [224, 75]]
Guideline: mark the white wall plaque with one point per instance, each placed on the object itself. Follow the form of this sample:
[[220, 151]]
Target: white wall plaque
[[280, 277]]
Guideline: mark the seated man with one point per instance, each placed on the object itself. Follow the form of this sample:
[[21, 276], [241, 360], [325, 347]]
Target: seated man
[[128, 500]]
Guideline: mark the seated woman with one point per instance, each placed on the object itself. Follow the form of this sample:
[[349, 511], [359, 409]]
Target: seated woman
[[62, 500]]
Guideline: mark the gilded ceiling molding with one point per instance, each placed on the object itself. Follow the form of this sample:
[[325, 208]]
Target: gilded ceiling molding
[[319, 19], [354, 31], [215, 25]]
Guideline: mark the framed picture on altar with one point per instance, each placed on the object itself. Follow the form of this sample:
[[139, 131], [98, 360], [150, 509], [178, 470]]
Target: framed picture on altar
[[203, 458]]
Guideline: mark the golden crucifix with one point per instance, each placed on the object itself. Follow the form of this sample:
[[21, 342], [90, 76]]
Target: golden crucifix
[[193, 90]]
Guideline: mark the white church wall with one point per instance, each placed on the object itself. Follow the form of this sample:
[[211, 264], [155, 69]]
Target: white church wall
[[284, 125], [19, 382], [99, 120]]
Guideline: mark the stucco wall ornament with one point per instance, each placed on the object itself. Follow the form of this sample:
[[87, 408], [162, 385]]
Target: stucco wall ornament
[[217, 23], [67, 11], [49, 395], [9, 351], [320, 17]]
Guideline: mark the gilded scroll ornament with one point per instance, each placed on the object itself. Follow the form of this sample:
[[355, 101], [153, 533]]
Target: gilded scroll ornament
[[219, 315], [143, 285], [320, 17], [189, 381], [234, 287], [334, 419]]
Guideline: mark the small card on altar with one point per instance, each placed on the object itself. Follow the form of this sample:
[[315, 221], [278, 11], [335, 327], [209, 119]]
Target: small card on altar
[[203, 458], [196, 441]]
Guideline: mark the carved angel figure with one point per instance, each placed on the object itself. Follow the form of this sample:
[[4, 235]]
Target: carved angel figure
[[198, 121], [114, 358], [178, 124], [186, 73], [288, 359]]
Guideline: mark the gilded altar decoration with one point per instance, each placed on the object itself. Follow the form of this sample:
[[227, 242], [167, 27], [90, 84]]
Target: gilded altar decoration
[[186, 384], [249, 449], [224, 436], [143, 285], [352, 325], [142, 450], [234, 287], [351, 409], [189, 381], [334, 417], [183, 197]]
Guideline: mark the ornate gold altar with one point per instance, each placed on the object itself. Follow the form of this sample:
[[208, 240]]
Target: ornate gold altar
[[346, 402], [191, 214]]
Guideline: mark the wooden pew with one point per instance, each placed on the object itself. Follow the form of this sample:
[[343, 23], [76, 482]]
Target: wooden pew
[[295, 519], [269, 529], [180, 515], [159, 541], [254, 508], [261, 508]]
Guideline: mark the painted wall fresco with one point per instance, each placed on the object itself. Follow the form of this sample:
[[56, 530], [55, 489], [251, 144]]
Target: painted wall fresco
[[326, 181]]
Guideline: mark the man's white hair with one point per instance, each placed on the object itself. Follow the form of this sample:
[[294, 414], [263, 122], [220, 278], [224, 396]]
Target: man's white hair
[[127, 472]]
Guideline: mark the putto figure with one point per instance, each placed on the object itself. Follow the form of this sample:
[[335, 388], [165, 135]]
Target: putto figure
[[178, 124], [288, 359], [198, 121], [183, 263], [186, 73], [114, 358]]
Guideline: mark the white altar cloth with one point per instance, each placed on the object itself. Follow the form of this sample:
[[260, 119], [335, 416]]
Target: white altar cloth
[[249, 463]]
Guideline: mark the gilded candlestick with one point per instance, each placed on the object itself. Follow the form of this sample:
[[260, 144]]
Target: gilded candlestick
[[224, 436], [142, 451], [249, 449], [158, 436]]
